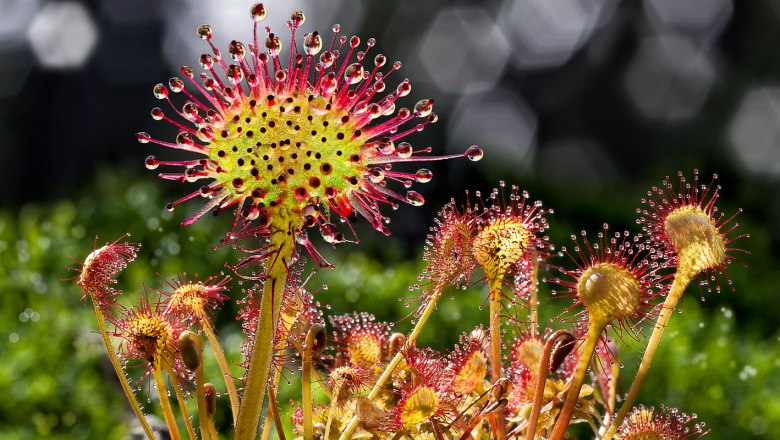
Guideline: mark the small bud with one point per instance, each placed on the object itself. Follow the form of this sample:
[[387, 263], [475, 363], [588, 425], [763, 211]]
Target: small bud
[[316, 338], [397, 341], [211, 399], [189, 347], [563, 346]]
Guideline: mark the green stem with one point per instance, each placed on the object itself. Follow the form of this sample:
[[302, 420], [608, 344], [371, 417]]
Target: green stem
[[162, 391], [284, 227], [333, 406], [219, 355], [497, 418], [200, 393], [681, 280], [534, 305], [595, 329], [274, 386], [121, 374], [308, 401], [182, 404], [272, 405], [429, 308]]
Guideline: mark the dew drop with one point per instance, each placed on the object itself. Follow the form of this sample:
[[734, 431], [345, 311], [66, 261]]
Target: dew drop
[[205, 32], [423, 107], [318, 105], [151, 163], [160, 92], [404, 150], [474, 153], [257, 12], [414, 198], [423, 175]]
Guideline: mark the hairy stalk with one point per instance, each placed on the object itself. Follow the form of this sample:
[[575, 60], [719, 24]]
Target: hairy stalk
[[534, 303], [333, 406], [182, 404], [121, 374], [200, 393], [497, 418], [275, 412], [595, 328], [162, 391], [541, 381], [308, 401], [284, 227], [429, 308], [219, 355], [277, 379], [681, 280]]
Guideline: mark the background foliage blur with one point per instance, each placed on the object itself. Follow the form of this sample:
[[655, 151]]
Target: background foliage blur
[[585, 103]]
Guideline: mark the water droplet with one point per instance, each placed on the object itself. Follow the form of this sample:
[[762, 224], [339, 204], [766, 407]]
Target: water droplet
[[312, 43], [423, 107], [160, 92], [423, 175], [404, 150], [474, 153], [318, 105], [205, 32], [151, 163], [414, 198], [297, 18]]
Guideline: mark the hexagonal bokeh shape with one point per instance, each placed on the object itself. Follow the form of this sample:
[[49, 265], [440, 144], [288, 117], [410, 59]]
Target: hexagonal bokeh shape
[[464, 51], [754, 132], [669, 78], [704, 18], [546, 33], [499, 122], [16, 16], [62, 35]]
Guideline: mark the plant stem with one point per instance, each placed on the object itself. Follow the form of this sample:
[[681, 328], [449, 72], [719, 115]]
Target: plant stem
[[497, 418], [162, 391], [534, 304], [541, 381], [219, 355], [275, 386], [284, 227], [307, 400], [429, 308], [200, 393], [275, 413], [333, 406], [121, 374], [681, 280], [595, 328], [182, 404]]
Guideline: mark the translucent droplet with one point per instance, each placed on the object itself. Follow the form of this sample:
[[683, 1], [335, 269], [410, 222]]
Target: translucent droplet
[[297, 18], [474, 153], [176, 84], [160, 92], [404, 150], [354, 73], [151, 163], [423, 107], [205, 32], [318, 105], [414, 198], [312, 43], [423, 175], [257, 12]]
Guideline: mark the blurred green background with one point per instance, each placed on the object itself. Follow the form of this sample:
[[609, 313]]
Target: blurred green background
[[587, 104], [720, 357]]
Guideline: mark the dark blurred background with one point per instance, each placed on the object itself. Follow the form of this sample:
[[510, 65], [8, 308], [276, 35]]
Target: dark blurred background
[[586, 103]]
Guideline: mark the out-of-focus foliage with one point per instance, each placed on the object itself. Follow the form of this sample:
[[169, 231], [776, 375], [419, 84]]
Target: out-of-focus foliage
[[716, 361]]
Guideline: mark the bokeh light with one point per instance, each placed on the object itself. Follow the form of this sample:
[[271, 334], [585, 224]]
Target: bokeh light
[[755, 131], [463, 51], [62, 35]]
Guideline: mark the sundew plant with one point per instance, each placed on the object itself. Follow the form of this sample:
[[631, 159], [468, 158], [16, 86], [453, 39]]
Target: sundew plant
[[298, 135]]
